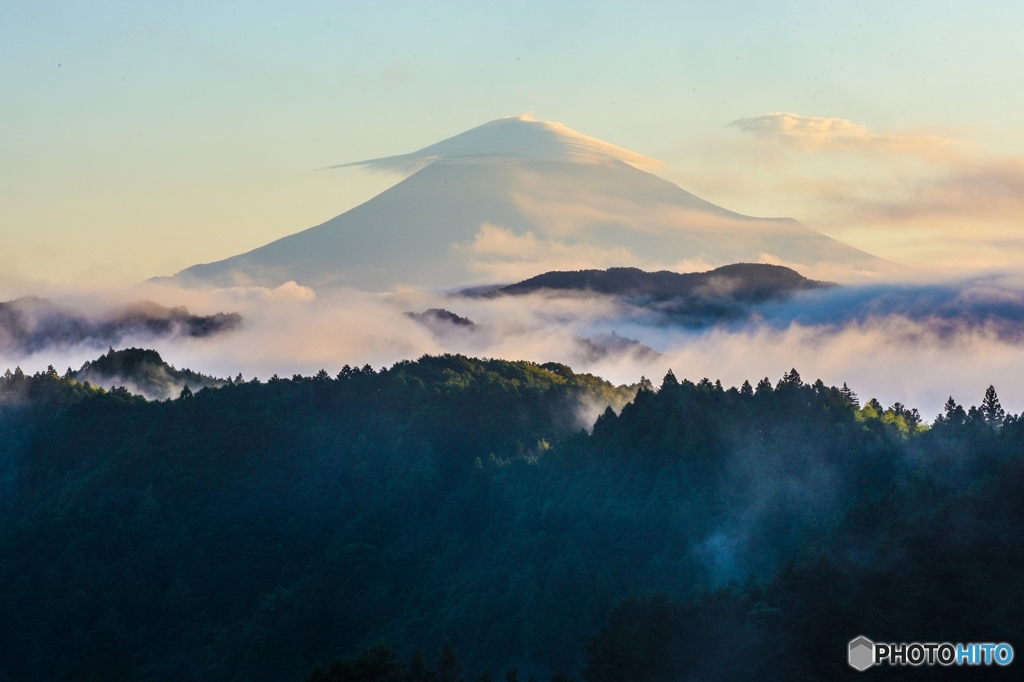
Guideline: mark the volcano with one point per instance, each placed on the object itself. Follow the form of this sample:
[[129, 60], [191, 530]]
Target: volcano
[[517, 197]]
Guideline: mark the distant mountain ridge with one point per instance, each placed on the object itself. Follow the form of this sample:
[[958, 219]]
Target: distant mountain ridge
[[695, 299], [746, 282]]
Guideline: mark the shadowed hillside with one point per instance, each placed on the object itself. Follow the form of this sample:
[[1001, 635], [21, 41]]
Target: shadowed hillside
[[743, 282], [253, 531], [694, 299]]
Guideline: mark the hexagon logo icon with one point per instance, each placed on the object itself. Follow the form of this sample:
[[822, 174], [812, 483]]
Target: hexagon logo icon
[[862, 653]]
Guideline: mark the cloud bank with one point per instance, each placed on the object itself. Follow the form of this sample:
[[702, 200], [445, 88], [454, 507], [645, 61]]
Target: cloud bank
[[916, 344], [31, 325]]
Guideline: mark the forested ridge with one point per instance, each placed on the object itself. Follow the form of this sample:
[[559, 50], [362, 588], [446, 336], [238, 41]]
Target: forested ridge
[[454, 518]]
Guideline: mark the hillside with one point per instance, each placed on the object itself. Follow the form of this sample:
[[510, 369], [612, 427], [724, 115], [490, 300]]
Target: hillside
[[696, 298], [742, 282], [255, 530]]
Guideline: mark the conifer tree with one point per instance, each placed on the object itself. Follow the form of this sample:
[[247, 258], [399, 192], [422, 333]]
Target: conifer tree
[[849, 396], [991, 409]]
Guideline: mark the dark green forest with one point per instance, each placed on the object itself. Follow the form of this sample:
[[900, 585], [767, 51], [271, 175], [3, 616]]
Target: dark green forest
[[461, 519]]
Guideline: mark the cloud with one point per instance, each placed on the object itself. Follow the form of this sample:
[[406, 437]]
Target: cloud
[[917, 344], [31, 325], [513, 137], [991, 306], [936, 203], [816, 132], [968, 190], [289, 291], [501, 255]]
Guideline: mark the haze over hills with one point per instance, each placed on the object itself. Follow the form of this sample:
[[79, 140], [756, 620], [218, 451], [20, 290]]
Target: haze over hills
[[30, 323], [517, 197]]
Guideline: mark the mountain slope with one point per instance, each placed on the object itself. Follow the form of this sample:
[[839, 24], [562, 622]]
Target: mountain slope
[[508, 201]]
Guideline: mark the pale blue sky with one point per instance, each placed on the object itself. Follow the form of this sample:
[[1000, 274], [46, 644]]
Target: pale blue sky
[[139, 138]]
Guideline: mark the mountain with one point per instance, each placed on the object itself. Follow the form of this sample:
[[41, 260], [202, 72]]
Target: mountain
[[516, 197]]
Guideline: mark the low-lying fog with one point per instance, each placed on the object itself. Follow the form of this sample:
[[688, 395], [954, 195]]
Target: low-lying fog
[[913, 343]]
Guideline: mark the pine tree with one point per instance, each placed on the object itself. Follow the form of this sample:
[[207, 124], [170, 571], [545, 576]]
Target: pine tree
[[955, 414], [849, 396], [790, 379], [991, 409]]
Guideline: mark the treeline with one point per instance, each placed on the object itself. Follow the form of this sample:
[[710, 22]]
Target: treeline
[[258, 530]]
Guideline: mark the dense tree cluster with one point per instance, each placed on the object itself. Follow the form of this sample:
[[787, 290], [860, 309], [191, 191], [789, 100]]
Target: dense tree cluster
[[260, 529]]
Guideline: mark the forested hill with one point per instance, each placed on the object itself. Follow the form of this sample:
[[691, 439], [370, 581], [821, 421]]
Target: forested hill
[[694, 299], [254, 531], [741, 282], [144, 372], [137, 370]]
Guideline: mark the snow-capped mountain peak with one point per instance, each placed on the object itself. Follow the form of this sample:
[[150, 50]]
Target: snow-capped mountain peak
[[513, 138]]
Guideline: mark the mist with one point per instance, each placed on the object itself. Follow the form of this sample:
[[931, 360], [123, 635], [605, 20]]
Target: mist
[[914, 343]]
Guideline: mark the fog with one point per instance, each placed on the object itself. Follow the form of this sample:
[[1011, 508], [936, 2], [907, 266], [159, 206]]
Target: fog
[[913, 343]]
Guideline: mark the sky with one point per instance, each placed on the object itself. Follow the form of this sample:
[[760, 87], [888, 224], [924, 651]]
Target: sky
[[141, 138], [138, 139]]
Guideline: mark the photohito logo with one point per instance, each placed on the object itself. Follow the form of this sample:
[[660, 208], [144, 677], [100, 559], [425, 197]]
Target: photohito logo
[[863, 653]]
